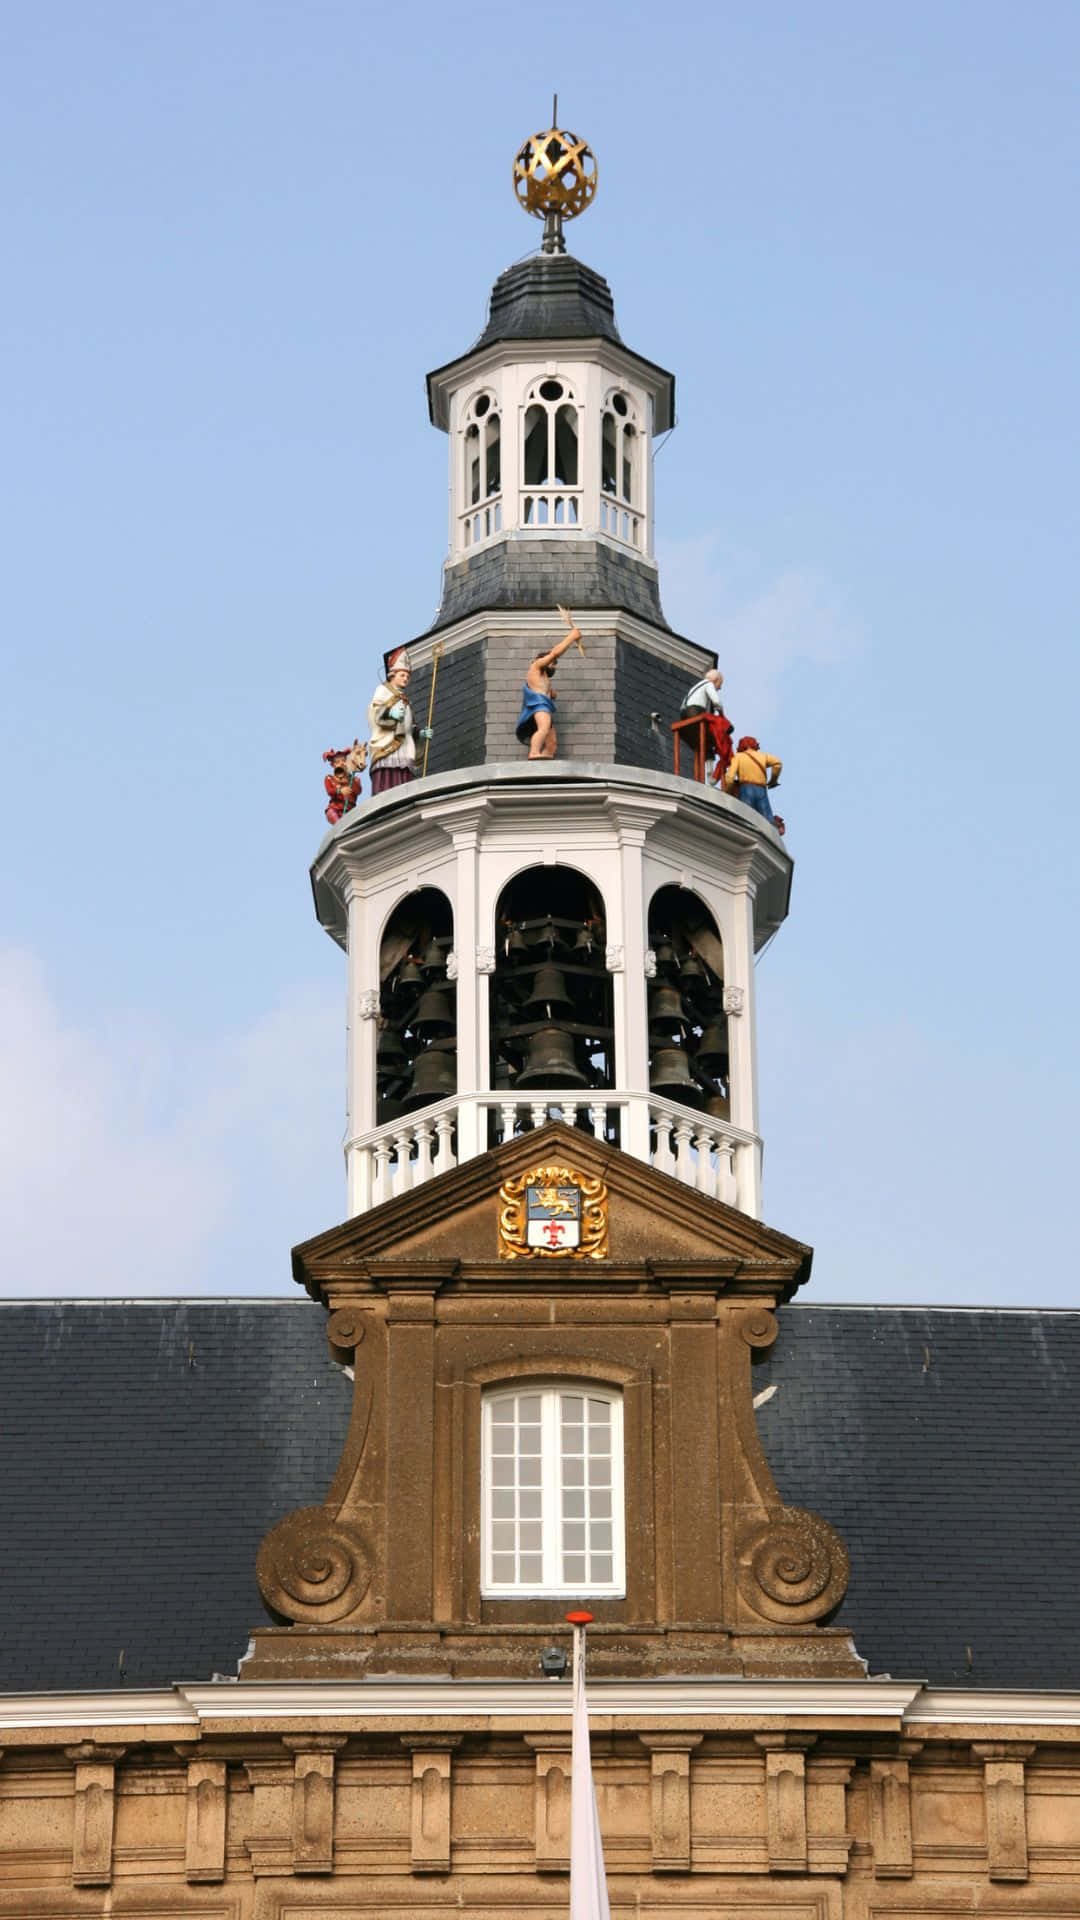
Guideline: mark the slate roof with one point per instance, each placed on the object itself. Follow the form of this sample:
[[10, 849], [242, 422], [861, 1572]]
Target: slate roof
[[145, 1447], [550, 296]]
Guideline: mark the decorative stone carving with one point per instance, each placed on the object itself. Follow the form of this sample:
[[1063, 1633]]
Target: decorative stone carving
[[95, 1802], [312, 1567], [368, 1003], [451, 965], [1006, 1809], [759, 1327], [734, 1000], [204, 1852], [670, 1766], [431, 1789], [485, 959], [552, 1805], [890, 1818], [613, 959], [313, 1803], [785, 1800], [792, 1567], [650, 964]]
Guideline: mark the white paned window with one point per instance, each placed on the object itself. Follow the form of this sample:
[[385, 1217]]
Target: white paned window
[[553, 1491]]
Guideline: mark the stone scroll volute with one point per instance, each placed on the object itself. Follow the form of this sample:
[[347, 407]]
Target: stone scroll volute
[[317, 1566], [791, 1566]]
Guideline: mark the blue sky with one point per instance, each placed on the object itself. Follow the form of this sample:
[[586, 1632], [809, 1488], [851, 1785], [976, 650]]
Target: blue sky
[[236, 237]]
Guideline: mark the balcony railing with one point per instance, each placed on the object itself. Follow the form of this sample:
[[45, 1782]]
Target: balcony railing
[[620, 520], [711, 1155], [550, 507]]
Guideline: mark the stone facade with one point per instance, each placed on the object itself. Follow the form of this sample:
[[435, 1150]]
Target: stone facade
[[344, 1806]]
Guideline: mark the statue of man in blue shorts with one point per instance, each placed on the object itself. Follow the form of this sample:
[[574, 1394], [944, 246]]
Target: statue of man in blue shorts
[[536, 721]]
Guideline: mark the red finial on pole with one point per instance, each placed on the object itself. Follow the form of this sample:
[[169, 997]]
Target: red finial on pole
[[580, 1619]]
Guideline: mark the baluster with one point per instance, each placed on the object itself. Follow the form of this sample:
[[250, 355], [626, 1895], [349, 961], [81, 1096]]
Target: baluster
[[538, 1110], [508, 1117], [725, 1170], [598, 1117], [402, 1163], [422, 1170], [568, 1112], [663, 1159], [684, 1160], [445, 1156], [382, 1170], [704, 1142]]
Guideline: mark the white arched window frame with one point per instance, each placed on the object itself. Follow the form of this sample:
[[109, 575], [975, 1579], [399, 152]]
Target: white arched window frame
[[551, 454], [481, 470], [621, 477], [552, 1490]]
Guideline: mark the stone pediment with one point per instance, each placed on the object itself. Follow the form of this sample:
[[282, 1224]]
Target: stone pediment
[[656, 1226]]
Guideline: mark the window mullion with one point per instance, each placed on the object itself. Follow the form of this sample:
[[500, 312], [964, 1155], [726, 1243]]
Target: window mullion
[[551, 1503]]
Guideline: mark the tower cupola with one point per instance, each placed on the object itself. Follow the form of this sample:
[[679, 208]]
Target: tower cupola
[[570, 935]]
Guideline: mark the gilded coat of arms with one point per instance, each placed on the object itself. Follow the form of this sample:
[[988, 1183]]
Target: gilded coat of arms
[[553, 1212]]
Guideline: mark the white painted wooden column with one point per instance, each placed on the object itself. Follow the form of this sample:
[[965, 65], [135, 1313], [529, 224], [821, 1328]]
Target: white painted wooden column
[[631, 1034], [471, 1043], [362, 1040], [739, 1005]]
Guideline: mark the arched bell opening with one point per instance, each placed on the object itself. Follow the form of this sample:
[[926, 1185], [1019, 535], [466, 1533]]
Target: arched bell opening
[[416, 1052], [552, 1021], [688, 1038]]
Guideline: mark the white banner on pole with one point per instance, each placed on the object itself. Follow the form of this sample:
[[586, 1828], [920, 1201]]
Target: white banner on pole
[[588, 1885]]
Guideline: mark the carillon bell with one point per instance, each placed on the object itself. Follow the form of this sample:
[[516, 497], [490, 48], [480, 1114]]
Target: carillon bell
[[551, 1061], [664, 951], [433, 959], [549, 994], [670, 1076], [712, 1049], [583, 941], [389, 1052], [434, 1078], [434, 1013], [410, 975], [691, 969], [719, 1106], [666, 1015], [516, 941]]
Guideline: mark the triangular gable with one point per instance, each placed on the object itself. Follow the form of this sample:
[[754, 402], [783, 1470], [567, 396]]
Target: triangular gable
[[657, 1225]]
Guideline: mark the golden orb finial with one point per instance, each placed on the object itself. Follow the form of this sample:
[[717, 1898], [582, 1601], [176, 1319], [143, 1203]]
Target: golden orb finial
[[555, 178]]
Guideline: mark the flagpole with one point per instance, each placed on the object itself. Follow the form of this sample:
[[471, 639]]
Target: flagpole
[[588, 1883]]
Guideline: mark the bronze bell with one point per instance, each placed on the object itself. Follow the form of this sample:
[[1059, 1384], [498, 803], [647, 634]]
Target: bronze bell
[[691, 969], [433, 959], [712, 1049], [434, 1077], [551, 1061], [664, 951], [410, 974], [434, 1013], [516, 941], [670, 1076], [583, 941], [503, 1077], [666, 1015], [389, 1052], [548, 994], [719, 1106]]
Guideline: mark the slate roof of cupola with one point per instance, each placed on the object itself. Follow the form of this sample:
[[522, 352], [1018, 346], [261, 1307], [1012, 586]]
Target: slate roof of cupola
[[550, 297], [553, 297]]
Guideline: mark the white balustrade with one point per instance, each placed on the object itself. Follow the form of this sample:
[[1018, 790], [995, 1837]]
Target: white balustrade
[[710, 1155], [481, 523], [620, 521], [552, 507]]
